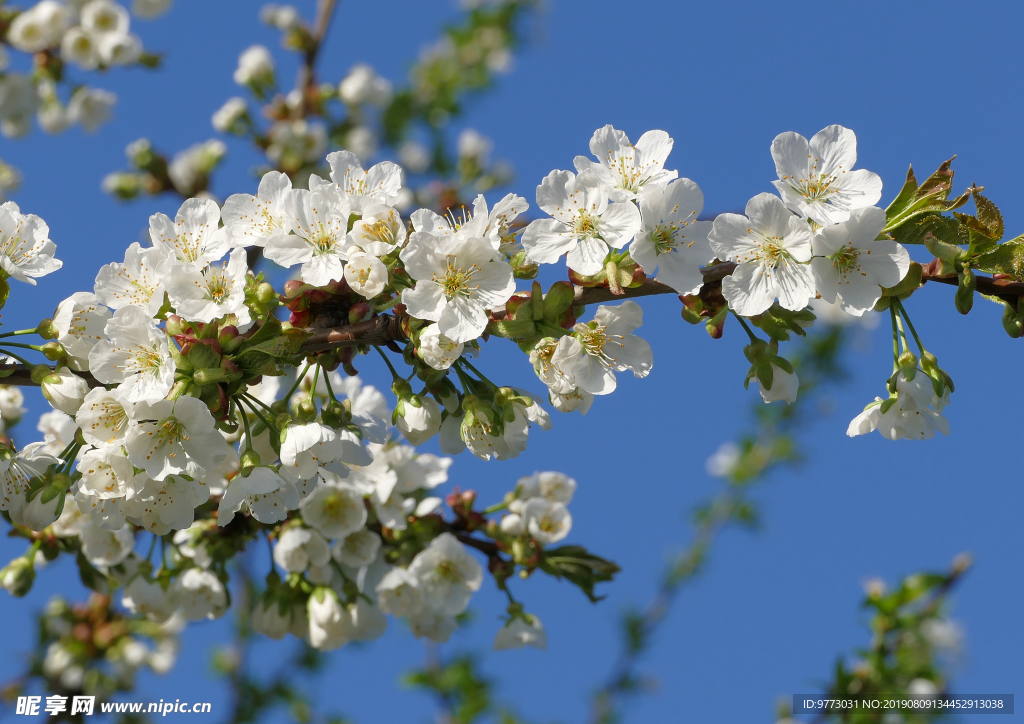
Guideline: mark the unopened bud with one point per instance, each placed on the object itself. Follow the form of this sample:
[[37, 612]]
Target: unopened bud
[[46, 330], [176, 325], [265, 293], [39, 373], [306, 410], [250, 459], [17, 576]]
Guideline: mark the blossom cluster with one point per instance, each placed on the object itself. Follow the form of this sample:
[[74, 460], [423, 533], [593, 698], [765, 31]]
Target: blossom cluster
[[89, 35]]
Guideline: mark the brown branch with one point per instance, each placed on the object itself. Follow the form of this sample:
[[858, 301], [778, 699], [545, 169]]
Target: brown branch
[[389, 328], [306, 81]]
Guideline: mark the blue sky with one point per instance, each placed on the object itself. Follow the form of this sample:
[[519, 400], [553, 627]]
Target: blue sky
[[917, 82]]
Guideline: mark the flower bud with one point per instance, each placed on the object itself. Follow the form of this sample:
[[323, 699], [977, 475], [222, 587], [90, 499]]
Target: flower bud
[[17, 576], [306, 410], [39, 373], [358, 312], [908, 363], [265, 293], [335, 414], [250, 459], [64, 390], [41, 512], [46, 330], [53, 351], [176, 325]]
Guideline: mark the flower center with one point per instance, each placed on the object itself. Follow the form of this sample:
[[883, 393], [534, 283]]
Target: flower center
[[594, 339], [586, 224], [448, 572], [455, 282], [322, 239], [845, 260]]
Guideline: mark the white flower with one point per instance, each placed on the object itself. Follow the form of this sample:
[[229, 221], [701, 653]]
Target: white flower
[[161, 506], [39, 27], [103, 417], [150, 9], [299, 548], [19, 99], [519, 633], [548, 521], [554, 361], [724, 460], [492, 225], [419, 424], [379, 231], [150, 599], [379, 185], [120, 48], [268, 619], [608, 346], [817, 179], [320, 222], [308, 448], [194, 237], [58, 431], [190, 166], [362, 85], [255, 65], [671, 239], [201, 594], [626, 168], [79, 46], [11, 404], [135, 357], [584, 226], [38, 514], [771, 246], [104, 16], [457, 281], [399, 593], [225, 117], [447, 573], [166, 431], [370, 409], [784, 386], [261, 219], [202, 295], [91, 107], [358, 549], [79, 323], [414, 156], [282, 17], [366, 274], [106, 547], [513, 525], [266, 495], [105, 472], [26, 251], [557, 487], [330, 623], [434, 625], [64, 390], [849, 263], [335, 510], [362, 142], [436, 349], [915, 414], [140, 281]]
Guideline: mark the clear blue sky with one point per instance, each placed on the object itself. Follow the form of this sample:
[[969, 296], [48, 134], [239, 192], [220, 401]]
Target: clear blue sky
[[918, 82]]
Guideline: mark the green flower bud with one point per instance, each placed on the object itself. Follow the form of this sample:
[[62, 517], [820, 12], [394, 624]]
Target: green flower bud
[[17, 576], [46, 330]]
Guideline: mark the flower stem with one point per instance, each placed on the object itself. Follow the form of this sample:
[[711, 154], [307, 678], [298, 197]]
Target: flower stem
[[330, 390], [743, 323], [245, 423], [917, 339], [895, 340], [20, 331], [36, 347], [394, 373], [495, 508], [298, 381], [477, 372]]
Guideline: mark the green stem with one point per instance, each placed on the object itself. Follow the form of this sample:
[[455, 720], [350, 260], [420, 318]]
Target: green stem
[[298, 381], [477, 372], [394, 373], [316, 378], [245, 423], [495, 508], [917, 339], [36, 347], [903, 335], [252, 398], [257, 413], [743, 323], [895, 340], [20, 331], [330, 390], [152, 547]]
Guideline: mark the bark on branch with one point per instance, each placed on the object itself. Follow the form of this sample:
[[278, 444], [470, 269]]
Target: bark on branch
[[388, 328]]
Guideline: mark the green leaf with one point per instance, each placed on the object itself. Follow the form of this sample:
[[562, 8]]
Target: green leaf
[[1007, 258], [931, 196], [579, 567], [91, 578], [942, 227], [778, 322], [202, 356], [988, 215]]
